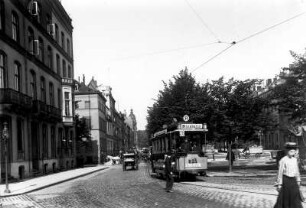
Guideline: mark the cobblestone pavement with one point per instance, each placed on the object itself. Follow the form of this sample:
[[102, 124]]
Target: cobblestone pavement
[[132, 189], [22, 201]]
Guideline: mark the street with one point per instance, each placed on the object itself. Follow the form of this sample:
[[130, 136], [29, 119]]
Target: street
[[115, 188]]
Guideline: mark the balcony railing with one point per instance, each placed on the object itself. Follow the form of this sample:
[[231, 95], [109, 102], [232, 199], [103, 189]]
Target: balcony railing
[[54, 112], [10, 96], [47, 111]]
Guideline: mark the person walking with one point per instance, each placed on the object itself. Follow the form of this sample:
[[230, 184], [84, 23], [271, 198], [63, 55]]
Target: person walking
[[288, 180], [169, 172], [232, 157]]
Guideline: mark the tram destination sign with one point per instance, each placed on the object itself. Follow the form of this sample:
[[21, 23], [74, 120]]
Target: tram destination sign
[[190, 126]]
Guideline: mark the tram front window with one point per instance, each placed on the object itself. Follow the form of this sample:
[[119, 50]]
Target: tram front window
[[189, 143]]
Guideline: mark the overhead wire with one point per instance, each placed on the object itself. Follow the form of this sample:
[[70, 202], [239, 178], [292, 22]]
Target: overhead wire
[[172, 50], [246, 38], [211, 58], [202, 21]]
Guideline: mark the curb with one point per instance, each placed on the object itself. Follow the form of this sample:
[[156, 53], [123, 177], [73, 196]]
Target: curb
[[55, 183], [242, 175]]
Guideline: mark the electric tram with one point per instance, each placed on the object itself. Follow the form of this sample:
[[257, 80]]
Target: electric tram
[[186, 142]]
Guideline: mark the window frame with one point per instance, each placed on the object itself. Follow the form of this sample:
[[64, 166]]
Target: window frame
[[43, 96], [2, 16], [17, 76], [31, 38], [3, 70], [15, 26], [41, 49], [51, 93], [50, 57]]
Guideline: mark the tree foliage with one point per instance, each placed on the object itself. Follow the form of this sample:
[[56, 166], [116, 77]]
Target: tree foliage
[[82, 129], [290, 95], [223, 105]]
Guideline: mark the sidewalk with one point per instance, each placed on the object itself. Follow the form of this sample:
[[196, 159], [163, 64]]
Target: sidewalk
[[38, 183]]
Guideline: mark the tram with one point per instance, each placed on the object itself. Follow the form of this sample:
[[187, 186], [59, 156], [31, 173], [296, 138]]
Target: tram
[[187, 142]]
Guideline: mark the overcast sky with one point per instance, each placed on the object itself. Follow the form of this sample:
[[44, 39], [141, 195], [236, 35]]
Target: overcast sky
[[120, 42]]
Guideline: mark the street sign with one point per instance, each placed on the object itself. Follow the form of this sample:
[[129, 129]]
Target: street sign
[[186, 118], [190, 126]]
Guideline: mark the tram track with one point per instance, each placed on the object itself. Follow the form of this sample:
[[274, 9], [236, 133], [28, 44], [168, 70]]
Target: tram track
[[210, 185]]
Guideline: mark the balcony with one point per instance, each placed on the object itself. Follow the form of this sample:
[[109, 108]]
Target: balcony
[[17, 100], [67, 81], [42, 110], [54, 113]]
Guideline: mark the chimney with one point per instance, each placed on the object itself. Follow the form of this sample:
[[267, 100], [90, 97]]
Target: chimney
[[83, 78], [79, 79]]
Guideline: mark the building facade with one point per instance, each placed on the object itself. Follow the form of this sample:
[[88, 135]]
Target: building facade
[[36, 86], [92, 106], [111, 130]]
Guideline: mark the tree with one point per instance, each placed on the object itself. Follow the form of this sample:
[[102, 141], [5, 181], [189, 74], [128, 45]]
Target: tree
[[223, 105], [180, 96], [82, 129], [290, 94]]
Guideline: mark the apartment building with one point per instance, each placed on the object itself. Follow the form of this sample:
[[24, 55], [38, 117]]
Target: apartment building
[[36, 86]]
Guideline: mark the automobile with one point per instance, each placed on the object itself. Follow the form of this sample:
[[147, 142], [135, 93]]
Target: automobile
[[131, 160]]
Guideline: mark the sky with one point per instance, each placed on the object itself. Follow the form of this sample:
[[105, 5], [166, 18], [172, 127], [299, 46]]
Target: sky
[[134, 45]]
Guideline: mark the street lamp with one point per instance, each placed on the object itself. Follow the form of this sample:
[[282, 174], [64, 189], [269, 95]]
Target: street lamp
[[230, 147], [260, 133], [5, 137], [205, 130]]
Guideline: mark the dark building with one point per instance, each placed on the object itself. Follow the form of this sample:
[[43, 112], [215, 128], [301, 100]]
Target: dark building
[[36, 86]]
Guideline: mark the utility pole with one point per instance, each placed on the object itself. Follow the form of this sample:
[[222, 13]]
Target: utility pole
[[230, 147]]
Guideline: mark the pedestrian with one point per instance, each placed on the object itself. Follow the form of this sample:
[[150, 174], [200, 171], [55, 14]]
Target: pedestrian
[[289, 180], [232, 157], [169, 160]]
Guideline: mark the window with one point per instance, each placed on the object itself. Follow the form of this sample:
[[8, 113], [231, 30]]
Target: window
[[59, 98], [50, 58], [64, 69], [15, 26], [43, 89], [87, 104], [63, 40], [69, 72], [56, 33], [33, 91], [17, 79], [45, 141], [67, 104], [58, 64], [53, 142], [68, 47], [19, 135], [2, 15], [51, 93], [2, 70], [41, 50], [30, 40]]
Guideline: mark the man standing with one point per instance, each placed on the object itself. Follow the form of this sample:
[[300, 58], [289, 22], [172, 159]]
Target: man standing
[[169, 172]]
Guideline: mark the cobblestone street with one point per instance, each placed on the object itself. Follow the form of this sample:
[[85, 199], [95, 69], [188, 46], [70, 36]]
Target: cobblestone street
[[115, 188]]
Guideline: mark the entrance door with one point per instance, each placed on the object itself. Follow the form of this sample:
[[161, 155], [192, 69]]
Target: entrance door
[[35, 146]]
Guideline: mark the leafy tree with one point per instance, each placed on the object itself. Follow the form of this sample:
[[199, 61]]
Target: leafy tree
[[290, 94], [179, 97], [224, 106], [82, 129]]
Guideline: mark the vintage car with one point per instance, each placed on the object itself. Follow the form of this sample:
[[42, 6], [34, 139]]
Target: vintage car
[[130, 159]]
